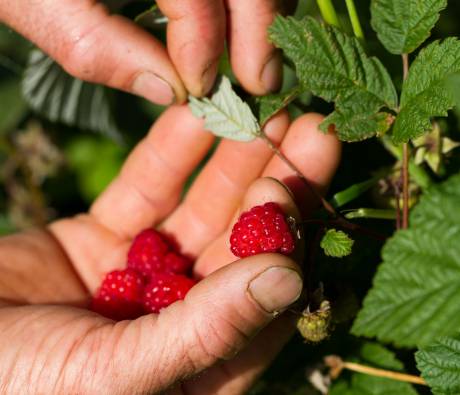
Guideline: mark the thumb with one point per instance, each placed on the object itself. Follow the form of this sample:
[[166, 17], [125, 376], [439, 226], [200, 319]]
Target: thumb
[[219, 316], [95, 46]]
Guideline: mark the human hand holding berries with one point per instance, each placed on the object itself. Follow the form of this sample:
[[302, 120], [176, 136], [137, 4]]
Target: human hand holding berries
[[48, 276]]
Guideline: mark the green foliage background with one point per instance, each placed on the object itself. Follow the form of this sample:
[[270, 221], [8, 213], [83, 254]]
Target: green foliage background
[[77, 160]]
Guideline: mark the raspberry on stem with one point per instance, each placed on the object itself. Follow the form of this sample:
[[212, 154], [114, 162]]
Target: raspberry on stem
[[262, 229]]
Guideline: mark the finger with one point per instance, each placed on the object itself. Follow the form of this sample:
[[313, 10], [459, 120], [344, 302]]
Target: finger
[[196, 36], [151, 181], [218, 318], [237, 375], [261, 191], [314, 153], [97, 47], [254, 60], [217, 192]]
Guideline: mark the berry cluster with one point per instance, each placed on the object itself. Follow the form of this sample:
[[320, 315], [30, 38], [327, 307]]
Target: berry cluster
[[156, 276]]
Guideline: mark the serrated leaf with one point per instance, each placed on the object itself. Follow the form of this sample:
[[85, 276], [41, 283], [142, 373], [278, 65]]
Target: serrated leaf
[[403, 25], [335, 67], [225, 114], [415, 297], [440, 365], [59, 97], [361, 384], [336, 243], [425, 93], [270, 105]]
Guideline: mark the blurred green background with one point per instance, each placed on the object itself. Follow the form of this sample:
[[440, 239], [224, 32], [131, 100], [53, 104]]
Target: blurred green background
[[62, 141]]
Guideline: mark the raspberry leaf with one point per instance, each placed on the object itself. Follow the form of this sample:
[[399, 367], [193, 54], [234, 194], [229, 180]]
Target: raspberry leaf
[[270, 105], [426, 93], [59, 97], [372, 354], [440, 365], [403, 25], [335, 67], [416, 292], [225, 114], [336, 243]]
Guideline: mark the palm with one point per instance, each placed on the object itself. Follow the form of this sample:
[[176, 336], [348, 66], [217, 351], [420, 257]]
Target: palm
[[65, 264]]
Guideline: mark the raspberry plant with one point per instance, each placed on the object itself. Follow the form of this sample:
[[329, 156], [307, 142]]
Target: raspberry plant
[[415, 296], [387, 85]]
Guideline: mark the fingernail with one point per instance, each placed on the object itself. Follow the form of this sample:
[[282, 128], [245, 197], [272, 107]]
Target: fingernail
[[208, 78], [276, 288], [271, 73], [153, 88]]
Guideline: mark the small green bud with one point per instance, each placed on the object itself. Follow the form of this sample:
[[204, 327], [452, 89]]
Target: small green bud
[[314, 326]]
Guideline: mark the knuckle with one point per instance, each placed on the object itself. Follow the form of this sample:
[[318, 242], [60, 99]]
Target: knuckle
[[79, 56], [216, 340]]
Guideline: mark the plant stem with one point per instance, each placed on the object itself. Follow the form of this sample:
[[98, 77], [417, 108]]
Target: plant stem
[[417, 173], [408, 378], [398, 204], [327, 206], [336, 364], [343, 223], [328, 13], [354, 18], [406, 192], [405, 166], [371, 213]]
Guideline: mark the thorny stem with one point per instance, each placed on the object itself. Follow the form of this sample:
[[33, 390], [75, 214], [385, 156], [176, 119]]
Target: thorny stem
[[398, 204], [327, 206], [354, 18], [336, 218], [406, 192], [328, 12], [405, 166], [337, 365]]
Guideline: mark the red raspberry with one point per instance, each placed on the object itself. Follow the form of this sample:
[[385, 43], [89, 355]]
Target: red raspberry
[[177, 263], [165, 289], [120, 295], [261, 229], [151, 253]]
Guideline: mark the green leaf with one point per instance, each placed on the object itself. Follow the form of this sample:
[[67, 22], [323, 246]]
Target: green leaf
[[403, 25], [336, 243], [361, 384], [270, 105], [425, 93], [416, 292], [225, 114], [440, 365], [59, 97], [335, 67]]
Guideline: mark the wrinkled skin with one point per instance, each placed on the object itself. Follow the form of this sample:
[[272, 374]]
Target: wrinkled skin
[[225, 329], [97, 46]]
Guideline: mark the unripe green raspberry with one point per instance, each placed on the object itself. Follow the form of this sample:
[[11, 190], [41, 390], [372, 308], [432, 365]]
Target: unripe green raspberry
[[314, 326]]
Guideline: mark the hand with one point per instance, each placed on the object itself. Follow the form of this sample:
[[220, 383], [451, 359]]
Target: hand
[[108, 49], [49, 344]]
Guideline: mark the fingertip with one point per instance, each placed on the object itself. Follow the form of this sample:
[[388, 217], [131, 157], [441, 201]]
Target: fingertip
[[269, 189], [324, 147]]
